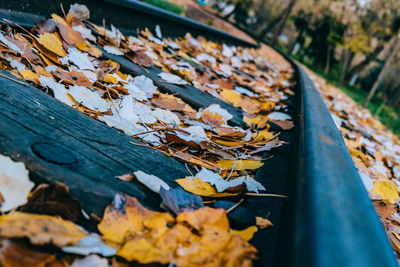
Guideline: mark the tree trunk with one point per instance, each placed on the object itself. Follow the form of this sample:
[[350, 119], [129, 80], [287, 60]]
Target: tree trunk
[[279, 27], [328, 59], [346, 63], [357, 69], [268, 28], [382, 73]]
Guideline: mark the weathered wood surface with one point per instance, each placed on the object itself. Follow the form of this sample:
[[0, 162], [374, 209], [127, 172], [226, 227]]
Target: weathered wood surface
[[89, 153]]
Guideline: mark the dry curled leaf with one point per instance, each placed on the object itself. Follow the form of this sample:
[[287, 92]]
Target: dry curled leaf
[[147, 236], [200, 188], [125, 177], [263, 222], [387, 190], [51, 42], [239, 165], [69, 35], [246, 234], [40, 229], [54, 199], [28, 75], [20, 254]]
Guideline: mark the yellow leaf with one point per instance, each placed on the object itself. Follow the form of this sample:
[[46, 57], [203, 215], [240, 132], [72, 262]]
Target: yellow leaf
[[91, 49], [267, 105], [256, 122], [387, 190], [263, 135], [52, 43], [40, 229], [240, 165], [146, 236], [205, 218], [83, 46], [201, 188], [129, 217], [110, 79], [246, 234], [28, 75], [228, 143], [263, 222], [231, 97]]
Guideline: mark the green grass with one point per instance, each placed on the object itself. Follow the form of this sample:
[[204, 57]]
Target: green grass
[[388, 116], [177, 9]]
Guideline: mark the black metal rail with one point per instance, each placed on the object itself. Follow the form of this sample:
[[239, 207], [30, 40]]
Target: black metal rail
[[328, 220]]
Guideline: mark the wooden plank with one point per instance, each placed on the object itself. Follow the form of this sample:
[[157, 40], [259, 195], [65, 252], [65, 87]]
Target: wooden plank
[[58, 143]]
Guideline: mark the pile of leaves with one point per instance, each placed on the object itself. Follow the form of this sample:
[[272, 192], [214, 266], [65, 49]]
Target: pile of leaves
[[375, 152], [60, 233], [65, 57]]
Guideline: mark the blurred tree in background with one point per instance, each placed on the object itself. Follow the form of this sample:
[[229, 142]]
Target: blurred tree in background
[[347, 40]]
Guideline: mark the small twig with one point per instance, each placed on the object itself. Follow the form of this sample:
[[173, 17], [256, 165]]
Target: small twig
[[136, 144], [234, 165], [187, 168], [62, 10], [14, 80], [235, 206], [112, 101], [264, 195]]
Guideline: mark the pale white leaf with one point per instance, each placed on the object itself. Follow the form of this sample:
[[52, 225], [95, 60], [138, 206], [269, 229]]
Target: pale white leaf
[[197, 134], [252, 185], [79, 11], [279, 116], [90, 244], [81, 60], [90, 261], [172, 78], [158, 31], [113, 50], [88, 98], [85, 33], [14, 183], [151, 181], [59, 90], [166, 116], [9, 44], [145, 85]]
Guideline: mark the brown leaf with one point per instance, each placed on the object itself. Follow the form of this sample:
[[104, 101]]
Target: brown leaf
[[285, 125], [126, 177], [384, 208], [69, 35], [46, 25], [212, 119], [73, 77], [174, 138], [171, 102], [25, 48], [54, 199], [22, 254], [140, 58]]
